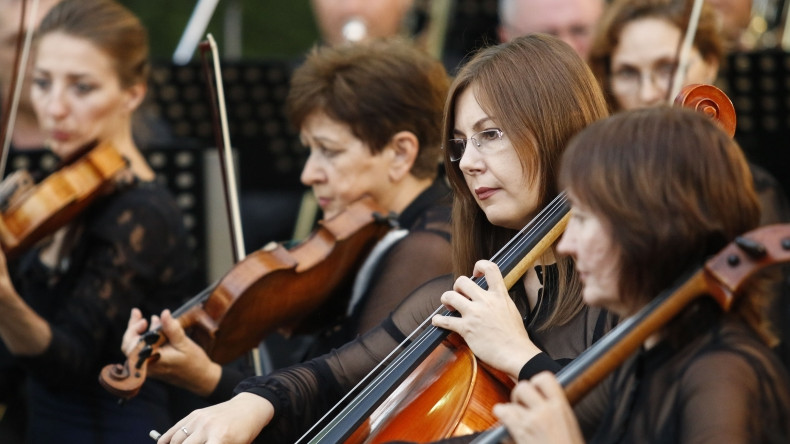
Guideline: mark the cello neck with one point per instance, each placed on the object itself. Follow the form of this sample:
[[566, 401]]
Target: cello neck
[[513, 259], [722, 277]]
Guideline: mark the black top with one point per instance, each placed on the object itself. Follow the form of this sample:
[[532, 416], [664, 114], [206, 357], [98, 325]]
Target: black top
[[301, 394], [721, 385], [129, 251], [422, 254]]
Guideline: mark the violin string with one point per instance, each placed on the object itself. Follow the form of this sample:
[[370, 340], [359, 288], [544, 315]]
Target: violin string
[[424, 332], [192, 302]]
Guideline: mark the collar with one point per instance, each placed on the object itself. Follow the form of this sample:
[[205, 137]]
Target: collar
[[439, 190]]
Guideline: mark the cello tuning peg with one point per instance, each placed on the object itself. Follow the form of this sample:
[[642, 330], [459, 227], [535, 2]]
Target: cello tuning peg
[[754, 249]]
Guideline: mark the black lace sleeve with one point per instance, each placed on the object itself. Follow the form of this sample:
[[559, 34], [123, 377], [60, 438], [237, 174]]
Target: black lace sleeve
[[131, 253]]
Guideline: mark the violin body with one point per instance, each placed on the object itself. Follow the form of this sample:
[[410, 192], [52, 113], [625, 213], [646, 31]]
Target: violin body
[[269, 289], [30, 212], [282, 286], [450, 394]]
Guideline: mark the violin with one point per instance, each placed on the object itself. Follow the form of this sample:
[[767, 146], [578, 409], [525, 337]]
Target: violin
[[29, 212], [268, 289], [722, 277]]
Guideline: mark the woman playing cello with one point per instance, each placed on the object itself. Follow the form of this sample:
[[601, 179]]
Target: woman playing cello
[[509, 126], [707, 376], [62, 310]]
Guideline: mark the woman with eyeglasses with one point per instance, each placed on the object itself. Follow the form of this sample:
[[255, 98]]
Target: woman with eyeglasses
[[635, 51], [510, 112], [707, 376], [634, 55]]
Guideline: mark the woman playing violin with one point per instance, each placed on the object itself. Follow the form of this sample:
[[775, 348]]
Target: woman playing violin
[[63, 308], [708, 376], [509, 124], [370, 114]]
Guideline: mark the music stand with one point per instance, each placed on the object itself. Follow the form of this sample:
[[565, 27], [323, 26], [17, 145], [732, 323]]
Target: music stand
[[270, 154], [758, 83]]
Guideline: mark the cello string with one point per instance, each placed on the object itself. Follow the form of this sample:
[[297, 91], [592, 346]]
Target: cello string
[[504, 258]]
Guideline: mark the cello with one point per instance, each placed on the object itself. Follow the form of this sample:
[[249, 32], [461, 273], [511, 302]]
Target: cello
[[721, 277], [375, 416]]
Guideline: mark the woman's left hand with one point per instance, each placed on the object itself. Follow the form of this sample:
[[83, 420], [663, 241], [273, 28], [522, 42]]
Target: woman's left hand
[[490, 323], [539, 412]]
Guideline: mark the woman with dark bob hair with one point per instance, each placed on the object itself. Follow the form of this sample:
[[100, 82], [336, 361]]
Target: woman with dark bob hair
[[654, 193]]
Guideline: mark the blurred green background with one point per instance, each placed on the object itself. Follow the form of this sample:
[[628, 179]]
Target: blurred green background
[[273, 29]]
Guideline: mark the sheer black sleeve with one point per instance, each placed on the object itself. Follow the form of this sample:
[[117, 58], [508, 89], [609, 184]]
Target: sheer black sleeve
[[723, 387], [415, 259], [301, 394]]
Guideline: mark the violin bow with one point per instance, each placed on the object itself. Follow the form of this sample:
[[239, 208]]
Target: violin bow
[[23, 43], [222, 136], [684, 51], [198, 22]]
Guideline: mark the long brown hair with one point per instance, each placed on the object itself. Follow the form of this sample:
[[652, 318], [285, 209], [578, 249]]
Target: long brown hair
[[540, 92], [672, 189]]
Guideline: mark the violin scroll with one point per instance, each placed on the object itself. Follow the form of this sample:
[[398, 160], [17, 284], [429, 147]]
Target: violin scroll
[[125, 380]]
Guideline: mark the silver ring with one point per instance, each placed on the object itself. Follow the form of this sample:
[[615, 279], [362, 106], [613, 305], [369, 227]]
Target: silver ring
[[184, 429]]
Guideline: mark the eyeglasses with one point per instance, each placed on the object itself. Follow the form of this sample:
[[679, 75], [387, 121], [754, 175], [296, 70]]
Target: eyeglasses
[[629, 80], [485, 141]]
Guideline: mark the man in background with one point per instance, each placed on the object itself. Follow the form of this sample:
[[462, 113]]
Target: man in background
[[572, 21]]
